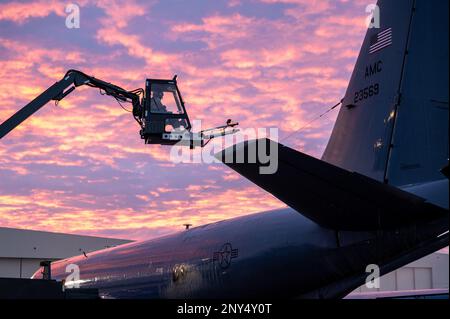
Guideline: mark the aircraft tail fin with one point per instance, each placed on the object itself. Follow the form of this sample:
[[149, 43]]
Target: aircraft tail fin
[[393, 123]]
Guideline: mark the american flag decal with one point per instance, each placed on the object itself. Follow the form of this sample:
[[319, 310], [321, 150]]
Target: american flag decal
[[380, 40]]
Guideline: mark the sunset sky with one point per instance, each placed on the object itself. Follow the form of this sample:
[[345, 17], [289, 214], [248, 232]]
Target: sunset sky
[[81, 167]]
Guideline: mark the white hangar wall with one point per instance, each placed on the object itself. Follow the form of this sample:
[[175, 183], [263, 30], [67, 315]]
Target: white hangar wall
[[21, 251]]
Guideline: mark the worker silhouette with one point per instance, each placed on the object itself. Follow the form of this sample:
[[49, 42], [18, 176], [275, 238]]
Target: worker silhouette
[[156, 104]]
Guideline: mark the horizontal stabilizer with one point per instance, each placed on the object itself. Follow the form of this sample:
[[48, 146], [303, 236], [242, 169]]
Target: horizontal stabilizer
[[330, 196]]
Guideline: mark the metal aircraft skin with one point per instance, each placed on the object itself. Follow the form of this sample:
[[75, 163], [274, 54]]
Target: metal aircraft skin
[[389, 144]]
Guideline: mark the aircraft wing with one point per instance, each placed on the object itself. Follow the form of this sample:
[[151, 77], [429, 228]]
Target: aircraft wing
[[330, 196]]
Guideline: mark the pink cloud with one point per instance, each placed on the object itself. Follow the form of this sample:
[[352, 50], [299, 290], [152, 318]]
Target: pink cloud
[[20, 12], [82, 168]]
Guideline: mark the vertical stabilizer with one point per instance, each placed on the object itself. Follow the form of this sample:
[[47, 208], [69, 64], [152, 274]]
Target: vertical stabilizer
[[393, 124]]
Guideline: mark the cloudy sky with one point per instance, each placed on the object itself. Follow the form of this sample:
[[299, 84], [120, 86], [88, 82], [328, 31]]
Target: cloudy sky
[[81, 167]]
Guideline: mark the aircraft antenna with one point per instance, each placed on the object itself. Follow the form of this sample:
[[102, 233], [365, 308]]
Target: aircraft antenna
[[312, 121]]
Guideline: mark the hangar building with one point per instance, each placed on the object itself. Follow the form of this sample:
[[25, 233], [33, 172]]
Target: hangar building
[[21, 251]]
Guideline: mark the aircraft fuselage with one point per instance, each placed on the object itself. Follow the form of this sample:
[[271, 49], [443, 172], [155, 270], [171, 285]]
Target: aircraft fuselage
[[279, 254]]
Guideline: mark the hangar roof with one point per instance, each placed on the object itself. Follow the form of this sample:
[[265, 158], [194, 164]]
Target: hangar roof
[[23, 243]]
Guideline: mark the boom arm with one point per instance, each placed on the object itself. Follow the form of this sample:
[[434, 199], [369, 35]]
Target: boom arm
[[153, 124], [57, 92]]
